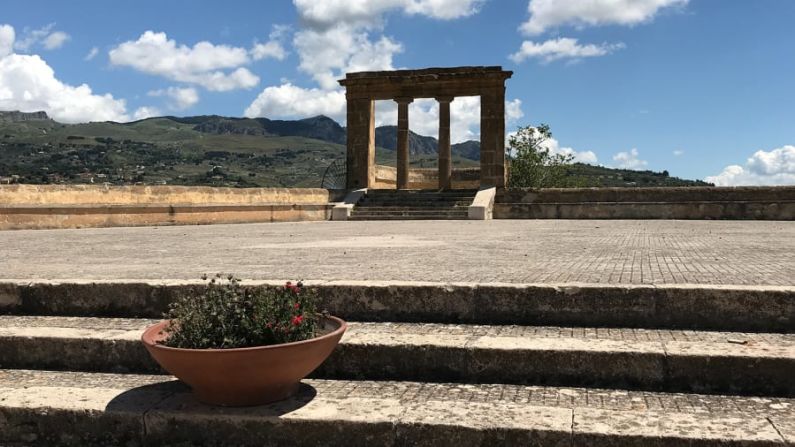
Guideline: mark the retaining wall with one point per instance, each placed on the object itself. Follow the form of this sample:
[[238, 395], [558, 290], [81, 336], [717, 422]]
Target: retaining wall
[[760, 203], [77, 206]]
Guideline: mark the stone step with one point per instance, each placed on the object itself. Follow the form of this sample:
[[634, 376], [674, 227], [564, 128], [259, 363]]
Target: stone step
[[665, 360], [405, 217], [411, 207], [91, 409], [735, 308], [431, 203], [397, 212]]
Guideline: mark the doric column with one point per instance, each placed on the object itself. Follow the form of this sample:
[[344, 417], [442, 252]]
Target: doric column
[[492, 136], [445, 155], [361, 143], [403, 142]]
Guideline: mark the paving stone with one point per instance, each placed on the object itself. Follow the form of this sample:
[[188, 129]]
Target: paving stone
[[518, 251], [56, 408]]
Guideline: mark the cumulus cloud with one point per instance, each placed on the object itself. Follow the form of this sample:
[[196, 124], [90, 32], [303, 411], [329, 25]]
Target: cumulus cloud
[[6, 40], [44, 36], [28, 84], [629, 160], [92, 53], [774, 167], [336, 37], [180, 98], [547, 14], [339, 36], [274, 47], [203, 64], [289, 101], [145, 112], [318, 14], [579, 156], [55, 40], [562, 48]]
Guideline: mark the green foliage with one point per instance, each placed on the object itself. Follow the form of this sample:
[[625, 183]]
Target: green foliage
[[534, 166], [229, 315]]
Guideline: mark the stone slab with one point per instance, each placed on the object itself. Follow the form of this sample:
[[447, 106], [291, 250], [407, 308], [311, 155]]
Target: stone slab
[[642, 359], [733, 308], [69, 408]]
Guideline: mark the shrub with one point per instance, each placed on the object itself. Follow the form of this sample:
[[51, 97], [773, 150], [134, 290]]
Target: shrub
[[228, 315], [534, 165]]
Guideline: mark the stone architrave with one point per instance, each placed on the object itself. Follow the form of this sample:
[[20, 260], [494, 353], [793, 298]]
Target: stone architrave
[[403, 86]]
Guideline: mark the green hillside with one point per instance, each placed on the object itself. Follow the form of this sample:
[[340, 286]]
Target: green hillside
[[222, 151], [166, 151]]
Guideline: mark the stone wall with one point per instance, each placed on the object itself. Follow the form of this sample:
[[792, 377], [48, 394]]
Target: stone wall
[[76, 206], [386, 178], [761, 203]]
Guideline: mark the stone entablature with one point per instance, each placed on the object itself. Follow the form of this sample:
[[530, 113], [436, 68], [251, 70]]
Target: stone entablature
[[443, 84]]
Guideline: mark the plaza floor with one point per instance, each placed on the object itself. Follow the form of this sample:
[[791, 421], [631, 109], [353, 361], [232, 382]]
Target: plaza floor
[[498, 251]]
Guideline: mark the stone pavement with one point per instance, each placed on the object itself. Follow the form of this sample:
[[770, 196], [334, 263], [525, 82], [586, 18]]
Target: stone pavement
[[498, 251]]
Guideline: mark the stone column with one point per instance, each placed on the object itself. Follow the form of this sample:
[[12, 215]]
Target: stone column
[[361, 143], [445, 155], [492, 136], [403, 142]]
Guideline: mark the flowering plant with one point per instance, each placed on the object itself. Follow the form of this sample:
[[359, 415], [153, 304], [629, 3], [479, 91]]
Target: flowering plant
[[228, 315]]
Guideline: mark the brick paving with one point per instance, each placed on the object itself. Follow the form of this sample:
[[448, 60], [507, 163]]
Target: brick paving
[[512, 251]]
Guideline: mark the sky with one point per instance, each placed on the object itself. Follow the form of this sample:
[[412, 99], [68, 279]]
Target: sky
[[704, 89]]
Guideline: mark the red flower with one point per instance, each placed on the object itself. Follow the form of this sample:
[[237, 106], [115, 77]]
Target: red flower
[[296, 306], [297, 320], [288, 285]]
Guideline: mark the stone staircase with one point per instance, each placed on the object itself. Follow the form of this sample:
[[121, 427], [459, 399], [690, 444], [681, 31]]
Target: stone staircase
[[422, 364], [391, 204]]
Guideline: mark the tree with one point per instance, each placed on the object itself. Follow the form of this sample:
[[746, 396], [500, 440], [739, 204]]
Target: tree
[[533, 165]]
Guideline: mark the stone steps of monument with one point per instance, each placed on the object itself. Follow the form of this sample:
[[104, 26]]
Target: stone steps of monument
[[647, 359], [404, 214], [688, 307], [95, 409], [413, 205]]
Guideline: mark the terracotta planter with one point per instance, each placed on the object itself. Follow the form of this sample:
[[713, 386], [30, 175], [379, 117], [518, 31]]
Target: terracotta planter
[[245, 376]]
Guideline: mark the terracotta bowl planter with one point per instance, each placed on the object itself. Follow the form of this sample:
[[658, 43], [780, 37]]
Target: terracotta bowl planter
[[245, 376]]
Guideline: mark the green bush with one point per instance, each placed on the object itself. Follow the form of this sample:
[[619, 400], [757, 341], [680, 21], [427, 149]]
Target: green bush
[[533, 165], [228, 315]]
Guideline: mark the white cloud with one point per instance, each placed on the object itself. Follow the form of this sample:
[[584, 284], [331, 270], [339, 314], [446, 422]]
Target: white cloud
[[274, 47], [91, 54], [289, 101], [774, 167], [546, 14], [203, 64], [28, 84], [629, 160], [320, 14], [145, 112], [6, 40], [579, 156], [45, 36], [678, 152], [328, 53], [55, 40], [562, 48], [180, 98]]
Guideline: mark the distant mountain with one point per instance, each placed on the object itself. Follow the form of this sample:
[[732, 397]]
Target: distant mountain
[[223, 151], [17, 117], [320, 128]]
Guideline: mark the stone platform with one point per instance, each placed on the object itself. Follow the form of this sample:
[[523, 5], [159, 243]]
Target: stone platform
[[472, 333], [500, 251]]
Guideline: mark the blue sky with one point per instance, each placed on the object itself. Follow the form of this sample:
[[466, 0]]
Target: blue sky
[[701, 88]]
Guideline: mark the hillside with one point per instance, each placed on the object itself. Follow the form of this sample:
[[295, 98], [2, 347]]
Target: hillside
[[221, 151]]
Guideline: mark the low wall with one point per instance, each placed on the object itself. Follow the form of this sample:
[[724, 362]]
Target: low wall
[[386, 178], [77, 206], [760, 203]]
